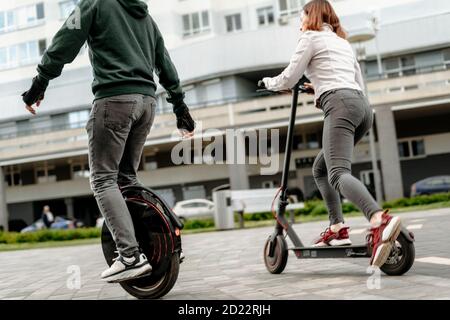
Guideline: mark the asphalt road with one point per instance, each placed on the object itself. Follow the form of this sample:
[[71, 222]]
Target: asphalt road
[[229, 265]]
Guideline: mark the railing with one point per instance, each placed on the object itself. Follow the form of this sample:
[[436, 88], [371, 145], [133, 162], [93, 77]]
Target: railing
[[247, 110], [81, 124], [374, 91], [418, 70]]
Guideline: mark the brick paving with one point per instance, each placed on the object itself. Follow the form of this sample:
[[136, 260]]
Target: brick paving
[[229, 265]]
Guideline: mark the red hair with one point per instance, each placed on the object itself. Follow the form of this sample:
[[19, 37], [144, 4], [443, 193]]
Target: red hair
[[320, 12]]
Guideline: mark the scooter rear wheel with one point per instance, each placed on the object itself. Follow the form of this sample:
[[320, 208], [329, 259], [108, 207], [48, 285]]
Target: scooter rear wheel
[[401, 258], [278, 261]]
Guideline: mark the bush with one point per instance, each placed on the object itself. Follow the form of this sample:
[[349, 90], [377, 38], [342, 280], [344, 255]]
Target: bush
[[417, 201], [198, 224], [259, 216], [319, 210], [309, 207], [49, 235], [349, 207]]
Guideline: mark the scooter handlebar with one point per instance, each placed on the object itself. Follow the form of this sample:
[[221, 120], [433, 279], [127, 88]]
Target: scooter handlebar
[[300, 87]]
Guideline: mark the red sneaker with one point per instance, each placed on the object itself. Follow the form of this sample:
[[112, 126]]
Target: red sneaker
[[330, 238], [381, 238]]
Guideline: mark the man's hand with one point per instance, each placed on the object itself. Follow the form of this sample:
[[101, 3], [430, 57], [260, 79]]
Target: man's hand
[[34, 96], [185, 123]]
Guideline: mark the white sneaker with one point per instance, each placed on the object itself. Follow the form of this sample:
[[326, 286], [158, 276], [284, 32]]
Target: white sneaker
[[127, 268]]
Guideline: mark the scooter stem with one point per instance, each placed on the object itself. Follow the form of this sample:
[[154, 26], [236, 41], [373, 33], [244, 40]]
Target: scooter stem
[[289, 143]]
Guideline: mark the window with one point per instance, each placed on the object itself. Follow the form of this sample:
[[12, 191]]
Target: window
[[408, 65], [307, 141], [2, 20], [397, 67], [195, 23], [80, 171], [150, 163], [21, 17], [42, 44], [78, 119], [212, 91], [311, 141], [233, 22], [40, 11], [299, 143], [3, 57], [290, 7], [45, 174], [12, 176], [66, 8], [403, 149], [411, 148], [21, 54], [392, 68], [266, 16], [417, 147], [446, 54]]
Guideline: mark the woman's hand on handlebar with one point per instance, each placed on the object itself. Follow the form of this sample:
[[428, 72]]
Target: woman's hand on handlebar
[[262, 85], [310, 87]]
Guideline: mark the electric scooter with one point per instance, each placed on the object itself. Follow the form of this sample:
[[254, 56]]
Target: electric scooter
[[157, 231], [276, 248]]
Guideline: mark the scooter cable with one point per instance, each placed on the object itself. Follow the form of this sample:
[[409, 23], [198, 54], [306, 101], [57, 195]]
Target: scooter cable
[[274, 211]]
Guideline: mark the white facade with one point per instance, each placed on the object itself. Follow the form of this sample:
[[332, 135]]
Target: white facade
[[221, 48]]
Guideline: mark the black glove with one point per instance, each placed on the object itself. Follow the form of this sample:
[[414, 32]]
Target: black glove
[[184, 119], [36, 92]]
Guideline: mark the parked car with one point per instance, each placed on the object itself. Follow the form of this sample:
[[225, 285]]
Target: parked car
[[16, 225], [431, 185], [59, 223], [194, 209]]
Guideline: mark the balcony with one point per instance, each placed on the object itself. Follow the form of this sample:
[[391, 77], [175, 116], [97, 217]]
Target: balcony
[[422, 86], [272, 111]]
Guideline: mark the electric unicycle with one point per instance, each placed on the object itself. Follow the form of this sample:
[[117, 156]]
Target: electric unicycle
[[157, 231]]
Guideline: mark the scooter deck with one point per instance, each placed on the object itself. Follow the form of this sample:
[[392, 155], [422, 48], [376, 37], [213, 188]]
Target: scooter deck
[[354, 251]]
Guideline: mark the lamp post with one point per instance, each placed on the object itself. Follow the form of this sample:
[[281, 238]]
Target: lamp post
[[360, 36]]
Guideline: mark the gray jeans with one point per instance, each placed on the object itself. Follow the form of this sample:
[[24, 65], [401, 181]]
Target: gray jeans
[[348, 117], [117, 130]]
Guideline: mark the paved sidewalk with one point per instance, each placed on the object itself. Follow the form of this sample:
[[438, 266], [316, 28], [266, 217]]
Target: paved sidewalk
[[229, 265]]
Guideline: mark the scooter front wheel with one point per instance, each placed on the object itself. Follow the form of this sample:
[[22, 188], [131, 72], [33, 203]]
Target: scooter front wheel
[[276, 262], [401, 258]]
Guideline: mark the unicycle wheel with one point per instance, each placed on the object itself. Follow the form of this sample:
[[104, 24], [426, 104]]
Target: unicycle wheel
[[276, 262], [401, 258], [158, 240], [154, 287]]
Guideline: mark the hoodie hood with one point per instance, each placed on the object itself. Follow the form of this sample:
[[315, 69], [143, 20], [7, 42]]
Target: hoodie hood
[[136, 8]]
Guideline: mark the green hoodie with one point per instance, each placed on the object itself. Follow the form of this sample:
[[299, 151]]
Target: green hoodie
[[126, 48]]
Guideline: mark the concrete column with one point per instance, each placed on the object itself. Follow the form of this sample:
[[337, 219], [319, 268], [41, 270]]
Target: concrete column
[[390, 161], [69, 207], [236, 160], [4, 216]]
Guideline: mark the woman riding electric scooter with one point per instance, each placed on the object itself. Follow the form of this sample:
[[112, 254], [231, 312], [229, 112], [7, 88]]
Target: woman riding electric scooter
[[325, 56]]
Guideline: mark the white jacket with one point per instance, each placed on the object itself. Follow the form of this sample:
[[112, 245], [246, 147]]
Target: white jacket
[[326, 59]]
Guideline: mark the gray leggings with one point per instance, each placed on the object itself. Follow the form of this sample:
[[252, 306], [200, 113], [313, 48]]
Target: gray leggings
[[348, 117]]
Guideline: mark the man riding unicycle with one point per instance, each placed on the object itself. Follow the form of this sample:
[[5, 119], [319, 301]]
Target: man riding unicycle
[[126, 48]]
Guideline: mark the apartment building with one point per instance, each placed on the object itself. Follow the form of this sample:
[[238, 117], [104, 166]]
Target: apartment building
[[221, 48]]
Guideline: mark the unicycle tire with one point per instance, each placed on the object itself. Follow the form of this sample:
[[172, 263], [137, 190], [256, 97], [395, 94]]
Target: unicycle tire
[[277, 263], [154, 287], [159, 239], [401, 258]]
